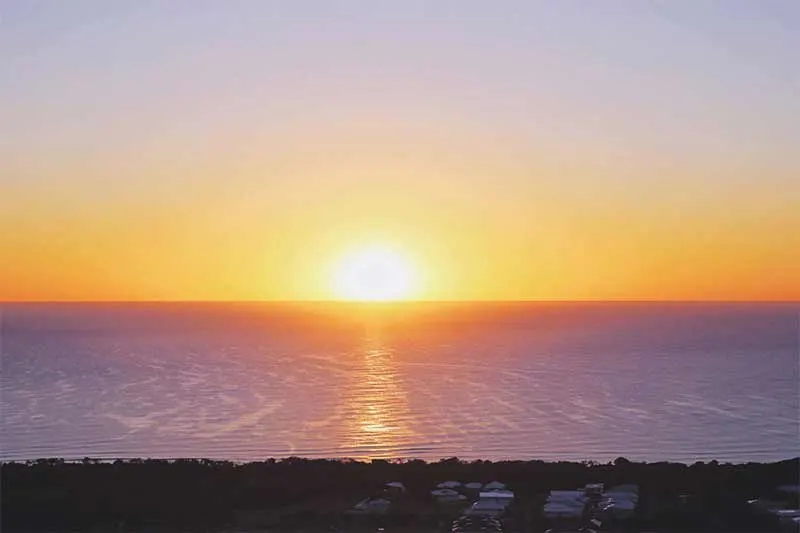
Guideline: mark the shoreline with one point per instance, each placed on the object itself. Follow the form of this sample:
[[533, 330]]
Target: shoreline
[[393, 460]]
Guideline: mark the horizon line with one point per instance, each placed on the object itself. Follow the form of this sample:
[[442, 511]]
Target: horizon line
[[410, 301]]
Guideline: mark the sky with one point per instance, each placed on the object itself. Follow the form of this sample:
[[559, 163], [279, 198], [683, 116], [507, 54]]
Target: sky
[[206, 150]]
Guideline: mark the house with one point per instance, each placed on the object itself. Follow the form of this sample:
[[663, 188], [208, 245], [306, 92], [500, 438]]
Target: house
[[372, 506], [491, 503], [490, 508], [395, 487]]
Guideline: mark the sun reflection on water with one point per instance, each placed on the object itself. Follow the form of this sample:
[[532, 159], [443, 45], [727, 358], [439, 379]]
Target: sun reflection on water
[[377, 405]]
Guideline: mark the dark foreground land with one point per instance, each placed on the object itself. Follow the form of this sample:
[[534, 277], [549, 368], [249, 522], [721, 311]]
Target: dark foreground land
[[315, 495]]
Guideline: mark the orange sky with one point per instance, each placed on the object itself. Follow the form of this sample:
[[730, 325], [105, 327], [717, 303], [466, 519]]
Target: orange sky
[[470, 235], [504, 163]]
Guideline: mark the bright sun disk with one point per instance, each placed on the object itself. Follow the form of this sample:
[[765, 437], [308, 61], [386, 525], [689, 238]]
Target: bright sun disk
[[373, 274]]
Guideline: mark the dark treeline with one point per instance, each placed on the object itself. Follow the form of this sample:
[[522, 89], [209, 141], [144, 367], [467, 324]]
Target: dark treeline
[[191, 493]]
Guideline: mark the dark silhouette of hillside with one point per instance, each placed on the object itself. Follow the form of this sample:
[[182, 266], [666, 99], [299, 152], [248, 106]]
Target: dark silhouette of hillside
[[313, 494]]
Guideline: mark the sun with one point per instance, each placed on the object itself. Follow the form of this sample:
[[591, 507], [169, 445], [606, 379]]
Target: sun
[[374, 274]]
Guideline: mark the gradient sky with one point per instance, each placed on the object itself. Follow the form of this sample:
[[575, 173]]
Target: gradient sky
[[514, 149]]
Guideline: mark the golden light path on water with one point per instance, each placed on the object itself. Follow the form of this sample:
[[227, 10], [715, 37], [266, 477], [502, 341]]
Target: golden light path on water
[[376, 404]]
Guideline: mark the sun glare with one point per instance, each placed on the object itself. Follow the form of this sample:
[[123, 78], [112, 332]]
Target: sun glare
[[374, 274]]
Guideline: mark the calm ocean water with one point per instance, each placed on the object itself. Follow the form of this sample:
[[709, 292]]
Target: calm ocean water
[[678, 382]]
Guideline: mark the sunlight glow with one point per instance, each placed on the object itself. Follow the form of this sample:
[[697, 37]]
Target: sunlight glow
[[374, 274]]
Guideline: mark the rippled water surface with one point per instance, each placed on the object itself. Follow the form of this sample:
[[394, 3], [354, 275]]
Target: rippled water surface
[[551, 381]]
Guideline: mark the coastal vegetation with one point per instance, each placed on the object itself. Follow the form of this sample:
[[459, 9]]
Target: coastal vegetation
[[305, 494]]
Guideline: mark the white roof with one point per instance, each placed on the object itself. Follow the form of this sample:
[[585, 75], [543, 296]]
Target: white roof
[[488, 504], [566, 503], [484, 510], [563, 511], [621, 497], [563, 506], [478, 507], [497, 494], [449, 484], [567, 498], [451, 498], [444, 492], [494, 485], [624, 505], [787, 512], [559, 506], [362, 504], [367, 503], [396, 485], [570, 504]]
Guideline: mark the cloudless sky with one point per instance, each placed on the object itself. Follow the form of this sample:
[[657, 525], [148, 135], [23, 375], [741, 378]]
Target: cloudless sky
[[512, 149]]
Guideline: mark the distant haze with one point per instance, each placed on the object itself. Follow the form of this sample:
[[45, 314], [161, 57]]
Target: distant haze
[[511, 150]]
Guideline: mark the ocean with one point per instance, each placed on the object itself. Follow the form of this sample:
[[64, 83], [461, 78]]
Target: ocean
[[552, 381]]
